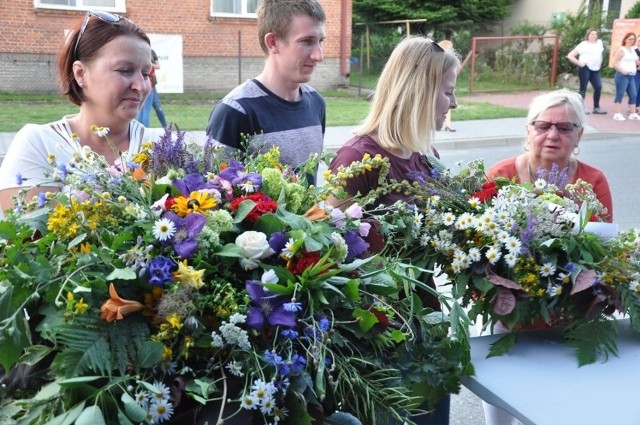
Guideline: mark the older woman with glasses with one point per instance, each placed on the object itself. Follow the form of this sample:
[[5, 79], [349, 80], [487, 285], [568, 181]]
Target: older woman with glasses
[[104, 68], [555, 125]]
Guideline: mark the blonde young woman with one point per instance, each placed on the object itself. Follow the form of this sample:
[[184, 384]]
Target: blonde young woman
[[414, 93], [626, 63]]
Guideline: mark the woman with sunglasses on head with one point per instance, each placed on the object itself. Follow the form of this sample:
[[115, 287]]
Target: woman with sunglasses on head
[[104, 68], [555, 125], [413, 95]]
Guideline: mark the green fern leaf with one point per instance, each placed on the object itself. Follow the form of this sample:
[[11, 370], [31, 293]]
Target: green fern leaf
[[502, 345], [593, 339]]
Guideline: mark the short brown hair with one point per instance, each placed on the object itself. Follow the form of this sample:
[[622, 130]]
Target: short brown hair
[[96, 34], [589, 31], [275, 16]]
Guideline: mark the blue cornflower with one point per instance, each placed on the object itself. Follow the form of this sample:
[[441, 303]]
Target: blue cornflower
[[324, 324], [42, 199], [62, 168], [19, 179], [292, 306], [271, 357], [161, 271], [290, 334], [298, 363], [571, 268]]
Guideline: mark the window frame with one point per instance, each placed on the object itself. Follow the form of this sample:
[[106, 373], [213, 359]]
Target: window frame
[[120, 6], [243, 14]]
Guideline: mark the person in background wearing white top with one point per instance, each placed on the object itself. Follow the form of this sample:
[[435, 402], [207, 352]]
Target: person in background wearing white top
[[587, 56], [104, 68], [638, 76], [626, 63]]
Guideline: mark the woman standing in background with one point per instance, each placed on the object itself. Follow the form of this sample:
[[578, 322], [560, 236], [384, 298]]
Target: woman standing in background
[[587, 56]]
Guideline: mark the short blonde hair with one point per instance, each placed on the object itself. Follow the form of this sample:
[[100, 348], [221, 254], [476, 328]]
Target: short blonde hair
[[402, 113], [573, 103]]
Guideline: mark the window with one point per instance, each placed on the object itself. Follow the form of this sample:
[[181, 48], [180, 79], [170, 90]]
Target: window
[[235, 8], [108, 5]]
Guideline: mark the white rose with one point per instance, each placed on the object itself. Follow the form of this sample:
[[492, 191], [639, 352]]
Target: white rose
[[254, 247]]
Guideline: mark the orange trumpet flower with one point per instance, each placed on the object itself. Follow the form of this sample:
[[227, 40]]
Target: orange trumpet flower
[[115, 308]]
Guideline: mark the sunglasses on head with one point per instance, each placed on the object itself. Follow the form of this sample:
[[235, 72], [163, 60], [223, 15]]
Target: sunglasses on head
[[562, 127], [103, 16]]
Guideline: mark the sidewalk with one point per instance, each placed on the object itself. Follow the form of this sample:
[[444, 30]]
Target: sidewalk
[[495, 132]]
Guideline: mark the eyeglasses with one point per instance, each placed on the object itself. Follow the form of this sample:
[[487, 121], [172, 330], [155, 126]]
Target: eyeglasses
[[103, 16], [562, 127]]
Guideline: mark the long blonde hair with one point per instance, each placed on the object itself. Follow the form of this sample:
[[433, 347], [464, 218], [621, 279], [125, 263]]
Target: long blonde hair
[[402, 113]]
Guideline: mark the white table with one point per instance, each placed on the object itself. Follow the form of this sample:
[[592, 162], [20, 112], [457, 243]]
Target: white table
[[539, 381]]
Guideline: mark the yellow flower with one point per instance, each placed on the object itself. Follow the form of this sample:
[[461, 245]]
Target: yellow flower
[[174, 320], [81, 306], [188, 275], [85, 248], [197, 202], [70, 296], [167, 353]]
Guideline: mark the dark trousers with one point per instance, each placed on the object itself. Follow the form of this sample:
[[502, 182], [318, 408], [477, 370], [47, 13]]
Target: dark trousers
[[586, 76]]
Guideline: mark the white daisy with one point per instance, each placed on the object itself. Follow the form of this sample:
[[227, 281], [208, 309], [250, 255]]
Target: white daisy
[[493, 255], [547, 269], [161, 393], [161, 411], [554, 290], [235, 368], [249, 402], [163, 229]]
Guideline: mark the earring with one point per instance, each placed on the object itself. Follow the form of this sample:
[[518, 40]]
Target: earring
[[578, 151]]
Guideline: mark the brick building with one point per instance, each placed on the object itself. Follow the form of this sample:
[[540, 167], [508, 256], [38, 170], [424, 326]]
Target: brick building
[[219, 39]]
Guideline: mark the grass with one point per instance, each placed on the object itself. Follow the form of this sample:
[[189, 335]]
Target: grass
[[191, 110]]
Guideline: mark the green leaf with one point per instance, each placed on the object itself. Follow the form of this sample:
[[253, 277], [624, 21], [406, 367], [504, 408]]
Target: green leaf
[[92, 415], [502, 345], [298, 413], [351, 290], [366, 319], [77, 240], [268, 224], [76, 382], [243, 210], [150, 354], [133, 411], [397, 336], [230, 250], [15, 334], [68, 417], [122, 274]]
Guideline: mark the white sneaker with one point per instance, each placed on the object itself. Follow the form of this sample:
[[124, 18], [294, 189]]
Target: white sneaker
[[634, 116], [618, 117]]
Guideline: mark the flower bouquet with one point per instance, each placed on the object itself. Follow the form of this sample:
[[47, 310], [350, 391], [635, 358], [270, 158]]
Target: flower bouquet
[[521, 255], [187, 286]]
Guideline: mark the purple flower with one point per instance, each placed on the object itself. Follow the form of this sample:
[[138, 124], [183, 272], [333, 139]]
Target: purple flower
[[161, 271], [191, 183], [277, 241], [187, 230], [266, 306], [272, 358], [19, 179], [417, 176], [355, 244], [237, 174]]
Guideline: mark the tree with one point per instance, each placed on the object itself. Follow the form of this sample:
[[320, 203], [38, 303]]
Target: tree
[[444, 17]]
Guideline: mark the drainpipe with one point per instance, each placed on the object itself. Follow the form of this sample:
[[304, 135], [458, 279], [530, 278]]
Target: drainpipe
[[344, 30]]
